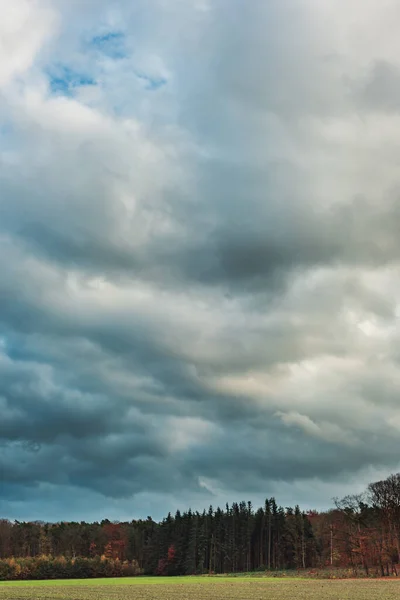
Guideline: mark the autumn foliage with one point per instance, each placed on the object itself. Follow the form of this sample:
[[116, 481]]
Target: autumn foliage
[[47, 567], [359, 536]]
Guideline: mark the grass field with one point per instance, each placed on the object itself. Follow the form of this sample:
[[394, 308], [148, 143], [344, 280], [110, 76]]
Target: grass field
[[196, 588]]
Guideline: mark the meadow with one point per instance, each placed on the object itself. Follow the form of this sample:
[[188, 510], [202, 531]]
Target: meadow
[[202, 588]]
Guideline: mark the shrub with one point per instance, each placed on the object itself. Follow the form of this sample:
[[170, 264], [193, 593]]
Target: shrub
[[60, 567]]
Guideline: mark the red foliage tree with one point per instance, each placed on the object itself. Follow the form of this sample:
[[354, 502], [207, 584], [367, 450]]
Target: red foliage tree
[[171, 554], [116, 540], [92, 549], [162, 567]]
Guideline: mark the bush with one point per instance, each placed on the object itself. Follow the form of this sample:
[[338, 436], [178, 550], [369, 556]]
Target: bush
[[60, 567]]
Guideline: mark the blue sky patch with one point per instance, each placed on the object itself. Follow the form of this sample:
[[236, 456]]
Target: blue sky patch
[[63, 80], [151, 83], [111, 44]]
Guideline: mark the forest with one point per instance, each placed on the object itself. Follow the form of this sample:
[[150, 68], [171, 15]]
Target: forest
[[360, 533]]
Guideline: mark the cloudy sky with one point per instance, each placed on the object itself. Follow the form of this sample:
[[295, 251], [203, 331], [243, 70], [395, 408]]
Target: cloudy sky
[[200, 250]]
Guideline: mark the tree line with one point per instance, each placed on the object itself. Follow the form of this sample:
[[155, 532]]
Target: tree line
[[361, 533]]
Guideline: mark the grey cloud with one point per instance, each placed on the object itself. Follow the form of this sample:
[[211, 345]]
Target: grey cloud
[[183, 267], [381, 89]]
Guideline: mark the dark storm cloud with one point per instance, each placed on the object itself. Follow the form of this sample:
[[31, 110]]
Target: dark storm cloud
[[198, 281]]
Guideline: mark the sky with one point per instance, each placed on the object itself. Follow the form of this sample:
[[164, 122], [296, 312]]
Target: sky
[[200, 250]]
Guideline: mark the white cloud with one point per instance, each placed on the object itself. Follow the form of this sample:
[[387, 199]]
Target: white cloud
[[25, 26]]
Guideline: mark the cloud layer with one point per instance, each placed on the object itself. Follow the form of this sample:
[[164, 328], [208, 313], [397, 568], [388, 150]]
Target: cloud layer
[[199, 215]]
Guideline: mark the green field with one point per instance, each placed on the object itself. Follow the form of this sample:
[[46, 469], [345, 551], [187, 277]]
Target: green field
[[200, 588]]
